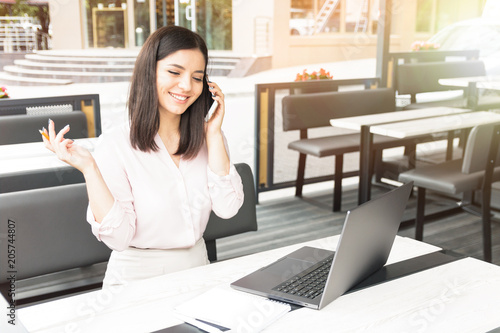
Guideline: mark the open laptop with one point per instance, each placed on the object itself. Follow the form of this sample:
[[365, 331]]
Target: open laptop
[[365, 243]]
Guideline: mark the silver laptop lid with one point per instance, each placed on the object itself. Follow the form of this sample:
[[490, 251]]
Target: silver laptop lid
[[366, 241]]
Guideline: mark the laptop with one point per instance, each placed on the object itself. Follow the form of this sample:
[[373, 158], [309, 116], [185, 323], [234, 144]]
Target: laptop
[[365, 243]]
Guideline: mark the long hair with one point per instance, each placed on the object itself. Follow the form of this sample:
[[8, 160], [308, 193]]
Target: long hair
[[143, 97]]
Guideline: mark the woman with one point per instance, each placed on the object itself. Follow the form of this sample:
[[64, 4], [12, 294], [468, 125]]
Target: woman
[[153, 183]]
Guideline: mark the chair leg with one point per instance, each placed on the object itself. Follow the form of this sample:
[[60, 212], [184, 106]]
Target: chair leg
[[211, 250], [419, 219], [299, 183], [337, 182], [486, 217]]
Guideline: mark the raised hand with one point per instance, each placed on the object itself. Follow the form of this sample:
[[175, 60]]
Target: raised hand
[[66, 150]]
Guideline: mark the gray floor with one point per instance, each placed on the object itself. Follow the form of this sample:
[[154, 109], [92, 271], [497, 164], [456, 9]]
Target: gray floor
[[292, 220]]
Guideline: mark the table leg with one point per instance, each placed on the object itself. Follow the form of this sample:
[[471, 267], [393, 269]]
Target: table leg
[[472, 96], [365, 151]]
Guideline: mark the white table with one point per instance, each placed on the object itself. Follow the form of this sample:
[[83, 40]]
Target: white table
[[460, 296], [364, 125], [473, 83], [31, 158]]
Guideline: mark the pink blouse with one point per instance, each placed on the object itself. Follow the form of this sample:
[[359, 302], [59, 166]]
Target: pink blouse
[[157, 204]]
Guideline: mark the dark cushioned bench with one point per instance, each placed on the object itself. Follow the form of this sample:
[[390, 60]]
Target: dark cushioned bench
[[24, 128], [55, 250], [423, 77], [302, 112], [57, 254], [15, 129]]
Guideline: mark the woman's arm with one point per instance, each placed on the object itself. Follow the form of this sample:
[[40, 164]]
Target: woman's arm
[[218, 158], [225, 186]]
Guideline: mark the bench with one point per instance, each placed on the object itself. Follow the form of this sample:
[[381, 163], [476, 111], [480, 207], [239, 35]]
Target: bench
[[423, 77], [56, 253], [303, 112], [24, 128], [88, 104], [53, 247], [20, 120]]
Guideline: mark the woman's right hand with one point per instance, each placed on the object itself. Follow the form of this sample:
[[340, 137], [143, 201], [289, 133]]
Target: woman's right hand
[[66, 150]]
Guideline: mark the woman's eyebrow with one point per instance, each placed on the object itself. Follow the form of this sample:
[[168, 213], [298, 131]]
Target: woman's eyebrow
[[181, 67]]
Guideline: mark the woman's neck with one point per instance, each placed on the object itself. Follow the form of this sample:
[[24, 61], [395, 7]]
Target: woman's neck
[[169, 132]]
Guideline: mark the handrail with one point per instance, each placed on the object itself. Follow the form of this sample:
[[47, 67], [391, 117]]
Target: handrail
[[265, 98]]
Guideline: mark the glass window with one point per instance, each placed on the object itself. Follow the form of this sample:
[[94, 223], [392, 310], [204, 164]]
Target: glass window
[[142, 22], [106, 23], [214, 23]]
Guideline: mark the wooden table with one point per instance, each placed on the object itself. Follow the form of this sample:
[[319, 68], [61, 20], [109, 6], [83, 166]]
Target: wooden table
[[364, 125], [460, 296]]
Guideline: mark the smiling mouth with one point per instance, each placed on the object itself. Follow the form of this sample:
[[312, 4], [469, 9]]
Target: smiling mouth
[[178, 97]]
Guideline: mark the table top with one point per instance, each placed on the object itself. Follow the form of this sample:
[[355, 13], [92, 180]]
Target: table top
[[483, 82], [34, 156], [355, 123], [460, 296], [405, 129]]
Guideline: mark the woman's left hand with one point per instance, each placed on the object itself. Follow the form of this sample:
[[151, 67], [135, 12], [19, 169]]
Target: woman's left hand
[[214, 124]]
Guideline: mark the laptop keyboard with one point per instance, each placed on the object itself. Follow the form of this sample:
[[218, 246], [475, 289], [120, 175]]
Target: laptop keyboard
[[309, 283]]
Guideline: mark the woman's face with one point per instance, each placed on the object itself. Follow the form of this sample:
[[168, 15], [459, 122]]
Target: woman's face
[[179, 80]]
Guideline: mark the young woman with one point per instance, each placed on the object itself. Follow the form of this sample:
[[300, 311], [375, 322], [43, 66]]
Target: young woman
[[153, 183]]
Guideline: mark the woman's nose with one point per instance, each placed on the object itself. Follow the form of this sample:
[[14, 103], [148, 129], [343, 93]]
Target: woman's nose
[[185, 82]]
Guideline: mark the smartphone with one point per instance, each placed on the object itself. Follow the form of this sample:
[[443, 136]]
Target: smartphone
[[211, 111]]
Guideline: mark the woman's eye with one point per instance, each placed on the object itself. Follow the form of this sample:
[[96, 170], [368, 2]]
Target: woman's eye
[[199, 79], [173, 72]]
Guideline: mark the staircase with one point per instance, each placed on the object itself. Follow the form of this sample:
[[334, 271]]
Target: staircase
[[61, 67], [324, 14], [362, 21]]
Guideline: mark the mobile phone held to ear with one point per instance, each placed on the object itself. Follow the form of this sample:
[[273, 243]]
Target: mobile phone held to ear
[[211, 111]]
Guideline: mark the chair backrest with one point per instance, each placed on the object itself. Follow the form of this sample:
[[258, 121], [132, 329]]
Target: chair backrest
[[50, 231], [415, 78], [24, 128], [246, 218], [315, 110], [477, 148]]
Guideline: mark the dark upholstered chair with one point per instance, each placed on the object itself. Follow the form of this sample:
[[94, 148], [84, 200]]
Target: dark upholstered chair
[[462, 176], [245, 220], [55, 249]]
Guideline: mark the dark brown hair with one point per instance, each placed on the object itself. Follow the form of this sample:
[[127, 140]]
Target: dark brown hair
[[143, 97]]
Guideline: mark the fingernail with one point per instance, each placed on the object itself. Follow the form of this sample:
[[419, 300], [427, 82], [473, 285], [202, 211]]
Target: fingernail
[[213, 95], [50, 120], [43, 129], [66, 126]]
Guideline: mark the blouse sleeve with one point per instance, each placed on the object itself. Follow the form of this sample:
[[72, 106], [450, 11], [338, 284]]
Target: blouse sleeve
[[226, 192], [118, 227]]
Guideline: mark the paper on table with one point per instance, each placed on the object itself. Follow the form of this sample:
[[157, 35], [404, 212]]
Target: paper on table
[[232, 309]]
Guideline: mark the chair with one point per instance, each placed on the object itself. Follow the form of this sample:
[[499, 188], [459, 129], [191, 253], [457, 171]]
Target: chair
[[478, 168], [55, 249], [245, 220]]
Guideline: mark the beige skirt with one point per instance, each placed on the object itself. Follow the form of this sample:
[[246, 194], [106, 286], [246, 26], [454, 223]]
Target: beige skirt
[[135, 264]]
